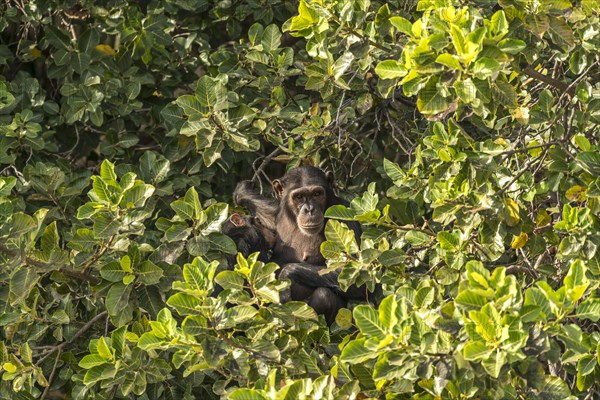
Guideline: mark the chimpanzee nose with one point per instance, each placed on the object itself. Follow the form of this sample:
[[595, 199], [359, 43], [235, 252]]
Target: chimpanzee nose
[[309, 209]]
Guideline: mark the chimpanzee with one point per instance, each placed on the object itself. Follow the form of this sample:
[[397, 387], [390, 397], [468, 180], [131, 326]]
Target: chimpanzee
[[249, 235], [304, 193]]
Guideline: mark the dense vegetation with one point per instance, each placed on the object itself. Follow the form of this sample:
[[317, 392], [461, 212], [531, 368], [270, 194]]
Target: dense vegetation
[[466, 132]]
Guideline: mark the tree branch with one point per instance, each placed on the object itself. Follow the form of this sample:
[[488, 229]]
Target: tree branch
[[80, 332], [565, 88], [40, 264]]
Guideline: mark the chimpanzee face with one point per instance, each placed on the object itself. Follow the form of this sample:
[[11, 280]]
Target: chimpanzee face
[[308, 204], [304, 194]]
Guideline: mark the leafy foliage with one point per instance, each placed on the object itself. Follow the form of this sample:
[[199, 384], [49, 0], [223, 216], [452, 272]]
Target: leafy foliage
[[467, 131]]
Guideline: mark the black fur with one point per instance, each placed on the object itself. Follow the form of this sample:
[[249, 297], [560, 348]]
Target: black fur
[[249, 235]]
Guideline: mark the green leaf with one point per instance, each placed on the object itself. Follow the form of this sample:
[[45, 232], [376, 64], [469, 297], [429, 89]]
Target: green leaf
[[105, 226], [402, 24], [103, 349], [387, 313], [192, 107], [449, 241], [87, 41], [185, 304], [239, 314], [271, 38], [390, 69], [586, 365], [367, 320], [112, 272], [417, 239], [22, 224], [498, 23], [91, 360], [117, 298], [101, 189], [576, 282], [9, 367], [117, 338], [107, 171], [137, 195], [21, 283], [149, 341], [6, 184], [392, 257], [449, 61], [191, 197], [230, 280], [305, 19], [476, 350], [340, 212], [99, 373], [149, 273], [87, 210], [356, 352], [344, 318], [554, 388], [211, 94], [485, 67], [342, 64], [494, 363], [393, 170], [246, 394], [512, 46], [178, 232], [424, 297], [432, 100], [255, 33], [470, 300], [216, 214], [342, 236], [589, 309], [589, 161], [50, 238]]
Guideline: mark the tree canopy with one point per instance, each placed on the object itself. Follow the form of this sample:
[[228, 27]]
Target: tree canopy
[[465, 134]]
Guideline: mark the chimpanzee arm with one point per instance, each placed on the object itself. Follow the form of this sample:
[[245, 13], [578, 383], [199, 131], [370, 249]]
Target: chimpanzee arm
[[258, 205], [306, 277]]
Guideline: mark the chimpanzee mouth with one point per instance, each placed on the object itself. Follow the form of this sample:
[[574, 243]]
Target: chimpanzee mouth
[[311, 227]]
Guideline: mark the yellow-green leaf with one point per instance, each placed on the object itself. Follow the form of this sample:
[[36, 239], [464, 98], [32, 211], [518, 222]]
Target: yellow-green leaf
[[511, 212], [519, 241], [577, 193]]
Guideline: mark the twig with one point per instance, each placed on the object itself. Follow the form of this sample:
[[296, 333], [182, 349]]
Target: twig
[[529, 71], [51, 377], [68, 152], [540, 158], [526, 149], [337, 116], [40, 264], [268, 158], [80, 332], [571, 87]]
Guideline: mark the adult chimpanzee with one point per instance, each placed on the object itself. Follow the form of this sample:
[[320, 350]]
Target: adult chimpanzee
[[304, 194]]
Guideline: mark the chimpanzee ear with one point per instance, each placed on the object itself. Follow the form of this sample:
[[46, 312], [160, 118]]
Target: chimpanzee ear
[[237, 220], [278, 188], [330, 178]]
